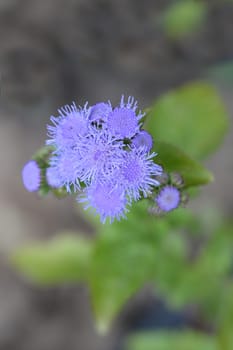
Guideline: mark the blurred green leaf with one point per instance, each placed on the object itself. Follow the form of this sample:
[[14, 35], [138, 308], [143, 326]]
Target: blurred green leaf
[[63, 259], [125, 258], [183, 218], [130, 253], [164, 340], [183, 17], [225, 317], [173, 159], [192, 117], [217, 255], [201, 280], [42, 156], [115, 265]]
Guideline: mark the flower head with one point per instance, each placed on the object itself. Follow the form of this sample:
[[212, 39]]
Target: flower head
[[123, 121], [99, 112], [104, 149], [168, 198], [65, 165], [68, 127], [143, 139], [100, 156], [108, 200], [31, 176], [137, 173], [53, 178]]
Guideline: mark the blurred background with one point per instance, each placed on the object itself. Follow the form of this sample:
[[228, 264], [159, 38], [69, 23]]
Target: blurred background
[[54, 52]]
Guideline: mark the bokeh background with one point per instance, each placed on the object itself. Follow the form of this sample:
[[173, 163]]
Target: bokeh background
[[57, 51]]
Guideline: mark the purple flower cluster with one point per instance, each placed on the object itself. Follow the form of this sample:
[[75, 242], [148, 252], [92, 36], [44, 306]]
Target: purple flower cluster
[[103, 152]]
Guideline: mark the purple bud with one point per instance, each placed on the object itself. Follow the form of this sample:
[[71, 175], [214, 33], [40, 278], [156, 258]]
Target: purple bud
[[31, 176], [143, 139], [53, 178], [100, 112], [168, 198]]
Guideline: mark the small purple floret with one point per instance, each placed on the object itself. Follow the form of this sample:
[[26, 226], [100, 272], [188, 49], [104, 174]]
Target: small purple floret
[[168, 198], [137, 173], [109, 201], [68, 127], [66, 167], [99, 113], [122, 123], [53, 178], [100, 156], [31, 176], [143, 139]]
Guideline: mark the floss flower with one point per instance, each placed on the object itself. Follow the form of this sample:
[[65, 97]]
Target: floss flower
[[168, 198], [31, 176], [65, 170], [123, 121], [137, 173], [143, 139], [100, 112], [70, 124], [102, 152], [53, 178], [108, 201], [100, 155]]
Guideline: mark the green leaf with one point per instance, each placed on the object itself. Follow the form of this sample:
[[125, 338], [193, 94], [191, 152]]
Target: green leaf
[[183, 17], [200, 280], [172, 159], [42, 156], [124, 259], [225, 317], [63, 259], [165, 340], [115, 266], [192, 117]]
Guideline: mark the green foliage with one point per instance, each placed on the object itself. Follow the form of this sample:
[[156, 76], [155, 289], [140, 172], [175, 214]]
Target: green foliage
[[42, 156], [173, 159], [125, 256], [164, 340], [122, 258], [64, 259], [117, 263], [202, 278], [183, 17], [192, 118]]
